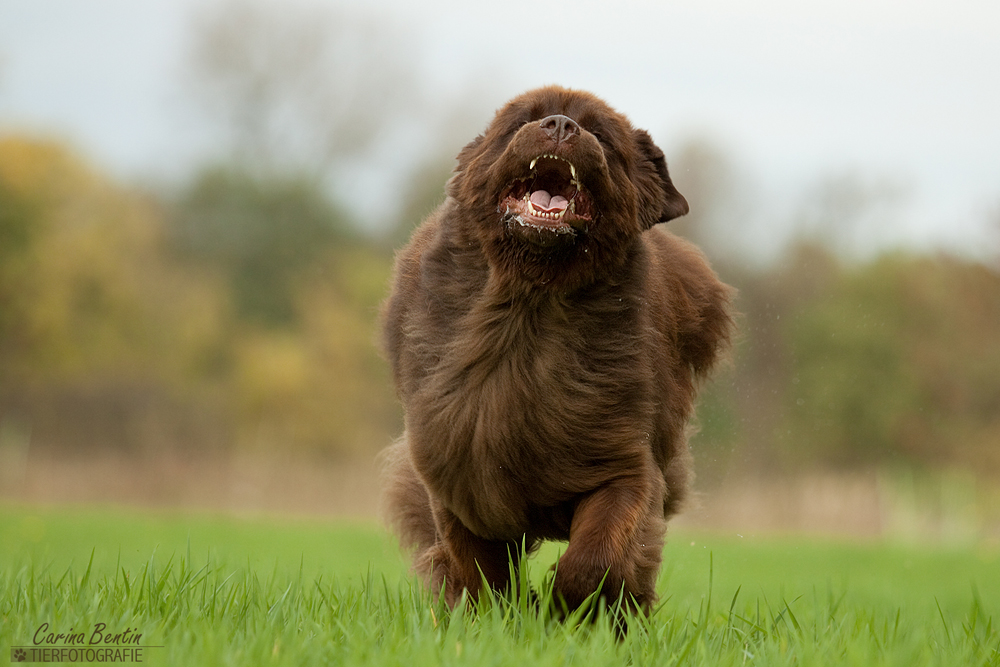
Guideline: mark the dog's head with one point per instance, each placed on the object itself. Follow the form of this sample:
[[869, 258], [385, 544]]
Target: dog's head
[[560, 184]]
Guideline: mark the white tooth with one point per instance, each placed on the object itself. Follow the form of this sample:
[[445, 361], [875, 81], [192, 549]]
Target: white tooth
[[532, 165], [572, 171]]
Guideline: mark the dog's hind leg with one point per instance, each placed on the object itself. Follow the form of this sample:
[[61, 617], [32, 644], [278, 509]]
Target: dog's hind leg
[[464, 561], [405, 503]]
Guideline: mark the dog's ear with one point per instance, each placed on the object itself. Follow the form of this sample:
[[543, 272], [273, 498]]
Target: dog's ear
[[464, 159], [466, 155], [659, 200]]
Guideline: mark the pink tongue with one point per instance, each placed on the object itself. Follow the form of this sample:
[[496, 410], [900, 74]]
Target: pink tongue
[[543, 201]]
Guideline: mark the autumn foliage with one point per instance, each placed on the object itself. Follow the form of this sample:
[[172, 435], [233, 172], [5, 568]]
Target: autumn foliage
[[240, 314]]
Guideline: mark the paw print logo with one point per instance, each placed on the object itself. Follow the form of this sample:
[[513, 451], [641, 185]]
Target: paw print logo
[[18, 655]]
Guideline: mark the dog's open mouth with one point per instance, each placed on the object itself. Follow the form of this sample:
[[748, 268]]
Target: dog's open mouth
[[550, 197]]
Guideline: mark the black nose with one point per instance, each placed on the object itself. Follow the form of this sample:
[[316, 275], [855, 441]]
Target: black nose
[[559, 127]]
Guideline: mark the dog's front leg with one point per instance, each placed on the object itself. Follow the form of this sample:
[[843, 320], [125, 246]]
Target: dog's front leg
[[616, 537], [463, 559]]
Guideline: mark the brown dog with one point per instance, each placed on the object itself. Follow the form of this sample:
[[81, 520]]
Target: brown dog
[[546, 341]]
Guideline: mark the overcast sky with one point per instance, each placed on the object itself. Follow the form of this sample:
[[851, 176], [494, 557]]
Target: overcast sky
[[793, 91]]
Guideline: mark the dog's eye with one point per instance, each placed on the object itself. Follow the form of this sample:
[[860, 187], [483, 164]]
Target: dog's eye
[[595, 128], [517, 126]]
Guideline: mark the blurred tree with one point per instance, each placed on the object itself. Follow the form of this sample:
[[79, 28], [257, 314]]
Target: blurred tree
[[852, 214], [744, 408], [117, 331], [302, 92], [263, 234], [19, 217], [322, 387], [100, 335], [900, 362], [296, 86], [305, 375], [995, 233], [424, 193], [721, 198], [447, 125], [858, 365], [707, 179]]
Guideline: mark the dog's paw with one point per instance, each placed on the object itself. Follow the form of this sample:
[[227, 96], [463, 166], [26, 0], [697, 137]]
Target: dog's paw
[[436, 567], [575, 581]]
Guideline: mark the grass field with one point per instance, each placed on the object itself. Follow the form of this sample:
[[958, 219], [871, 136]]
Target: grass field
[[205, 590]]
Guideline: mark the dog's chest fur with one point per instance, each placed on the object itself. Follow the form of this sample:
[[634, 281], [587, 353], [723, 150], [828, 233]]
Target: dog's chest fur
[[530, 388]]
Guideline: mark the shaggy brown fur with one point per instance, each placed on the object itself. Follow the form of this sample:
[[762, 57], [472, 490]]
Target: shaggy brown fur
[[546, 341]]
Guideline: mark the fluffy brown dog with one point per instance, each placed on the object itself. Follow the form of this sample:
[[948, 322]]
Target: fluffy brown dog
[[546, 342]]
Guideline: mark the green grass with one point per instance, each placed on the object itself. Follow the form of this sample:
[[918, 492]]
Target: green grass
[[266, 591]]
